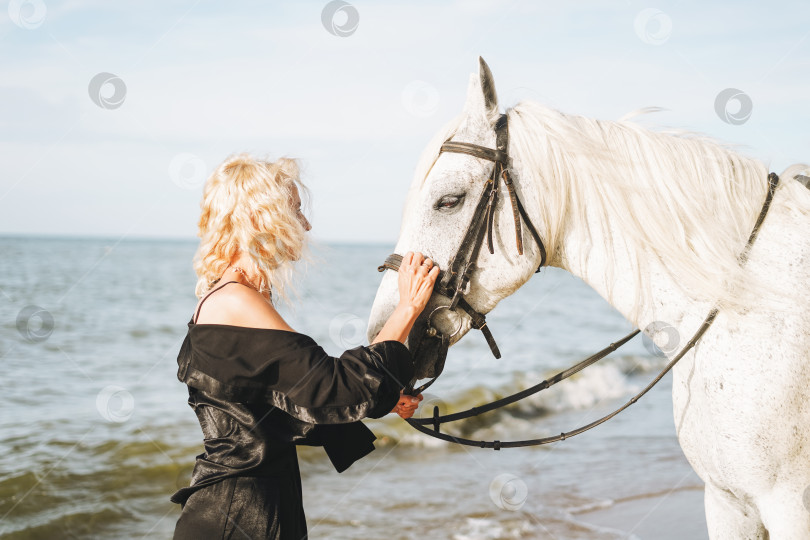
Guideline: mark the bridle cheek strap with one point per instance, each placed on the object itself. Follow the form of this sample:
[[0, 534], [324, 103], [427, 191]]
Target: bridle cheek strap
[[500, 157], [510, 187]]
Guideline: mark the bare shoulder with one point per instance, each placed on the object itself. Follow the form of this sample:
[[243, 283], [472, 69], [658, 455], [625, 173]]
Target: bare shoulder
[[239, 305]]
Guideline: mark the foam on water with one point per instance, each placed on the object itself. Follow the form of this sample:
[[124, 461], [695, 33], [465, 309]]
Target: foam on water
[[475, 528]]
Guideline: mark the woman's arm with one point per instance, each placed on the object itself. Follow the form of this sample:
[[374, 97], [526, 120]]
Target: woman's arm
[[417, 276], [294, 373]]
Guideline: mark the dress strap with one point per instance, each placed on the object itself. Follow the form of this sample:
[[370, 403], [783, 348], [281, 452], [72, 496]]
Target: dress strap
[[197, 315]]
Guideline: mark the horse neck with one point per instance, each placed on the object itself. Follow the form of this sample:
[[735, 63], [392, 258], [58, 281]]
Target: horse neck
[[642, 294]]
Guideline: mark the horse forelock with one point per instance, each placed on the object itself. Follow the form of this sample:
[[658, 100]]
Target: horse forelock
[[426, 161], [431, 153]]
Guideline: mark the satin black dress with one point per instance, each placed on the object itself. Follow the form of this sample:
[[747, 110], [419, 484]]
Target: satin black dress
[[258, 393]]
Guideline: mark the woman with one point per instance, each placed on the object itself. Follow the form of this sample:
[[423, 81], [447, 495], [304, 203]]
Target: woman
[[259, 388]]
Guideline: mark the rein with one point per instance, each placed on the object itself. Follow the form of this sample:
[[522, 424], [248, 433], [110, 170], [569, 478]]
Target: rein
[[452, 284]]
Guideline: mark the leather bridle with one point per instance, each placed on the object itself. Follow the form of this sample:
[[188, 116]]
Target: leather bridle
[[452, 283]]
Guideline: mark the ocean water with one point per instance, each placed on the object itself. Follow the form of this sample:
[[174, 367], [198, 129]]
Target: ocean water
[[96, 432]]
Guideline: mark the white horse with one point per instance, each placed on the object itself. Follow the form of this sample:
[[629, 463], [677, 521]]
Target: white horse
[[655, 222]]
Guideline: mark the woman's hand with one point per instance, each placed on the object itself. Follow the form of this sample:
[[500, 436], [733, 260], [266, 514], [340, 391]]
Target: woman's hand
[[407, 405], [417, 275]]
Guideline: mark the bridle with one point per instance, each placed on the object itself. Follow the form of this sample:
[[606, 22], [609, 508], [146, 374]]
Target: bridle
[[452, 283]]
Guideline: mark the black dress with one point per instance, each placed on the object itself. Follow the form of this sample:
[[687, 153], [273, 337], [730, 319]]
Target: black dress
[[258, 393]]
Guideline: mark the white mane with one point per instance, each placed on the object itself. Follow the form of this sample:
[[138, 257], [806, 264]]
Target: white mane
[[685, 199]]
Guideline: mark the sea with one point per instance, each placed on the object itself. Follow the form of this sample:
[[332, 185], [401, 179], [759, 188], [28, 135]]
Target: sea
[[96, 434]]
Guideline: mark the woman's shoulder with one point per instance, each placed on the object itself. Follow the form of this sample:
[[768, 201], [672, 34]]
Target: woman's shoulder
[[241, 306]]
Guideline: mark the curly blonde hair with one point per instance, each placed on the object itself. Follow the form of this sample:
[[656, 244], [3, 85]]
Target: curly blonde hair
[[247, 206]]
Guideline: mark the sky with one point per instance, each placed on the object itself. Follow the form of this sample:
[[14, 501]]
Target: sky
[[112, 114]]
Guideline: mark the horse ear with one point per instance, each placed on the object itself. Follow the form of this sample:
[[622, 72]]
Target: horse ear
[[481, 96], [487, 85]]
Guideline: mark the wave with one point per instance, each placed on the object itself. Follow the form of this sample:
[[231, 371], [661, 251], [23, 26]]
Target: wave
[[81, 523]]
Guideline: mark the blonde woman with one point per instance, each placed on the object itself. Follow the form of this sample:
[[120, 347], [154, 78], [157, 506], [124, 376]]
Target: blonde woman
[[257, 386]]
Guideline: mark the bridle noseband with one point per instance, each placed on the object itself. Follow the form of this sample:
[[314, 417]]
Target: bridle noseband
[[452, 281]]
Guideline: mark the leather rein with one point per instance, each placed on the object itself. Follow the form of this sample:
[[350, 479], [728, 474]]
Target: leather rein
[[452, 283]]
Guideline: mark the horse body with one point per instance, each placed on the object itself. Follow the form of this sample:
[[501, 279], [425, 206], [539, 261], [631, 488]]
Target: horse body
[[742, 401], [741, 398], [613, 203]]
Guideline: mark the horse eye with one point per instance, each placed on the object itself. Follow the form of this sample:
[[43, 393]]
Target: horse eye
[[449, 201]]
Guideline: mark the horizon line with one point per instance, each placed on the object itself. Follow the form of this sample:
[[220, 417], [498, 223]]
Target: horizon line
[[141, 238]]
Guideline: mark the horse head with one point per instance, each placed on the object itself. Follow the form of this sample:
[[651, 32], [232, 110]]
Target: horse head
[[439, 213]]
